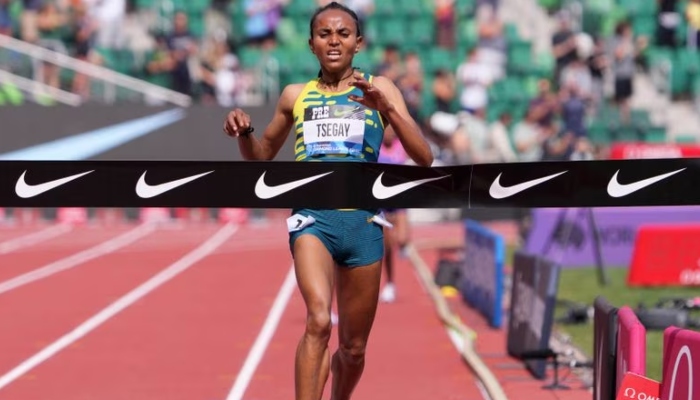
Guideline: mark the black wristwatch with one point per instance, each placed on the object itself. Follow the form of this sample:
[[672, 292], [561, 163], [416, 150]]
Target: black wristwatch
[[247, 132]]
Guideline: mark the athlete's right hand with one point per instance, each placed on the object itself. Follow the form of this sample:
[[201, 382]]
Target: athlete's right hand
[[237, 123]]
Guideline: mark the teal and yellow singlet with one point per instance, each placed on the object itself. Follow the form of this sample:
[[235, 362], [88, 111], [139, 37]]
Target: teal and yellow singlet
[[330, 127]]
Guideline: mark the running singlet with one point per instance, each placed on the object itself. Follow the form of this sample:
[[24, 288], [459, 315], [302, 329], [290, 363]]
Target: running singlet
[[331, 127]]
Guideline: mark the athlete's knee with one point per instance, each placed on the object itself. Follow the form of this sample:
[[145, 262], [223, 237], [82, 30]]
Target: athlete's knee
[[318, 325], [353, 351]]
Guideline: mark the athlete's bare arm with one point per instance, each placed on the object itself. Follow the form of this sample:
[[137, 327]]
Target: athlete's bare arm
[[388, 100], [276, 132]]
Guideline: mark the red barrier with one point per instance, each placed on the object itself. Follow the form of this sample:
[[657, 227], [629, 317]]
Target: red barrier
[[627, 151], [681, 365], [631, 345], [666, 255]]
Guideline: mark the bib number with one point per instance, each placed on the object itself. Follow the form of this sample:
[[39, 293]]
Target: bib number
[[334, 130]]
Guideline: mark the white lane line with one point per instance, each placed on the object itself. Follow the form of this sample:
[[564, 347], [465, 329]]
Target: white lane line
[[33, 238], [263, 340], [122, 303], [78, 258]]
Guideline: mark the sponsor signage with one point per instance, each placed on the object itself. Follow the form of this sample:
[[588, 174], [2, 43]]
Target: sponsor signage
[[533, 296], [629, 151], [571, 236], [482, 271], [666, 255]]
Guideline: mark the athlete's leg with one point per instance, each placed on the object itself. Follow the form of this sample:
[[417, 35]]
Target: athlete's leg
[[389, 243], [314, 272], [402, 228], [388, 294], [357, 296]]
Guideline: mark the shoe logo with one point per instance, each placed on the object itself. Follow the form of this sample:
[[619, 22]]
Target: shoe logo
[[25, 190], [146, 191], [263, 191], [382, 192], [616, 189], [497, 191]]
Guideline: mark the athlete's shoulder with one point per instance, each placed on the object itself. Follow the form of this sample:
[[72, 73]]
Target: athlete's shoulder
[[290, 94]]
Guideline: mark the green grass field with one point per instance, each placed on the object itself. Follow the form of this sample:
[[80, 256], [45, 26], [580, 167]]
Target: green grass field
[[581, 285]]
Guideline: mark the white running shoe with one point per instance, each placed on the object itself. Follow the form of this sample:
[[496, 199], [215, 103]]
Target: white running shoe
[[388, 294], [334, 318]]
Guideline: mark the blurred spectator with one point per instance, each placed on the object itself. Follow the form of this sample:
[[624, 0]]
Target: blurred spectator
[[492, 42], [160, 65], [390, 66], [53, 28], [263, 18], [475, 77], [624, 54], [471, 142], [182, 46], [109, 16], [573, 111], [5, 18], [29, 20], [84, 34], [692, 15], [583, 150], [578, 74], [528, 137], [502, 150], [411, 84], [364, 9], [444, 90], [563, 44], [544, 106], [220, 73], [445, 23], [598, 64], [557, 146], [668, 20]]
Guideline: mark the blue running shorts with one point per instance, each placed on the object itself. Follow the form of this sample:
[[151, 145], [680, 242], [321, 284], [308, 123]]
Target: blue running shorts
[[352, 237]]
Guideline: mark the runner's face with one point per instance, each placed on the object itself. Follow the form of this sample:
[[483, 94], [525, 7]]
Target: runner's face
[[335, 40]]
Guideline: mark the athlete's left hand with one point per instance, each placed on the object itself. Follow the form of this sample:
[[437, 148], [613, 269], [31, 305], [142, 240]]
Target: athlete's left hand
[[373, 97]]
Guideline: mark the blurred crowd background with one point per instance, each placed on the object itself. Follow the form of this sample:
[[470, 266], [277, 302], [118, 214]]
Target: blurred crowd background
[[488, 80]]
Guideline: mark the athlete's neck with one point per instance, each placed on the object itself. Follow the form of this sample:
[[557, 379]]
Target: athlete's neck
[[335, 81]]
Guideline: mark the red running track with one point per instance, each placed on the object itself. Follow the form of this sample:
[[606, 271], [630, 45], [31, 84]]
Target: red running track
[[189, 335]]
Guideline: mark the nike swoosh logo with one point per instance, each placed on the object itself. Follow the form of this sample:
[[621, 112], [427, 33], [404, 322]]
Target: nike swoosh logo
[[146, 191], [616, 189], [382, 192], [263, 191], [25, 190], [497, 191], [345, 113]]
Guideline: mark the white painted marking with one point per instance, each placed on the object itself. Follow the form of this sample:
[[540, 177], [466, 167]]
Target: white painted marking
[[78, 258], [264, 337], [34, 238], [122, 303]]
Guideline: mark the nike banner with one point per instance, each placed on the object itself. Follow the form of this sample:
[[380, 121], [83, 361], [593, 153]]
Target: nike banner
[[278, 184]]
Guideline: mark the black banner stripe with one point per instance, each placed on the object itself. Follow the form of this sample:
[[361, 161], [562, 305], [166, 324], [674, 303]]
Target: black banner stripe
[[276, 184]]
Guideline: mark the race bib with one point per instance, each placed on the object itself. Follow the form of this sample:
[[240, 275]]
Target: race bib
[[334, 130], [298, 222]]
